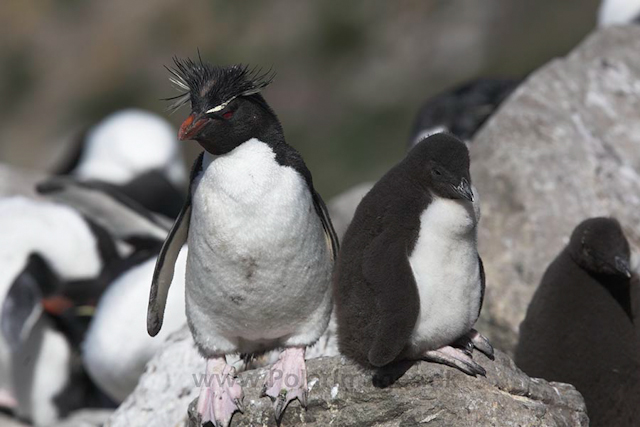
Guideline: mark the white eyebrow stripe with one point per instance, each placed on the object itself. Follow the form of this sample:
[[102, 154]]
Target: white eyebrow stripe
[[220, 107]]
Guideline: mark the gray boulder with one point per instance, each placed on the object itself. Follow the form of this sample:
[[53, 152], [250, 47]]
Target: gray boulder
[[343, 206], [341, 394], [564, 147], [85, 418]]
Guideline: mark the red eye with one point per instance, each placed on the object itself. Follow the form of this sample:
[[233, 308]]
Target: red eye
[[228, 115]]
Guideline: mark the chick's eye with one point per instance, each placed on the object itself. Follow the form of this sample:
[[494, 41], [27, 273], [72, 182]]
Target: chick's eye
[[227, 115], [437, 172]]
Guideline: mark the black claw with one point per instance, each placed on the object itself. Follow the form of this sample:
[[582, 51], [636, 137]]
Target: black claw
[[484, 346], [469, 371], [279, 409], [195, 419], [263, 393], [482, 371]]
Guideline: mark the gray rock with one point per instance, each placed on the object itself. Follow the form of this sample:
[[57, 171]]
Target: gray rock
[[86, 418], [343, 206], [341, 394], [564, 147], [166, 387]]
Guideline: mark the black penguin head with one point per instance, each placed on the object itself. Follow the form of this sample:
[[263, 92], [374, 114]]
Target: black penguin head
[[226, 107], [441, 164], [599, 246]]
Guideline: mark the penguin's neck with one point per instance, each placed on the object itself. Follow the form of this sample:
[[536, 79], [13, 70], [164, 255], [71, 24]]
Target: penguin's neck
[[246, 173], [271, 133], [450, 218]]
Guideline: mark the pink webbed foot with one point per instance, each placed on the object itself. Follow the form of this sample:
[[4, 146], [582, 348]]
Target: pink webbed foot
[[220, 395], [287, 381], [455, 358]]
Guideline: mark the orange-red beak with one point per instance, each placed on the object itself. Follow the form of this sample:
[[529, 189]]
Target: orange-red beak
[[56, 305], [190, 127]]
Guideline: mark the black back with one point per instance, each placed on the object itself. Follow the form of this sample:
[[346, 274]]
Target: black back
[[463, 109], [155, 192], [580, 332]]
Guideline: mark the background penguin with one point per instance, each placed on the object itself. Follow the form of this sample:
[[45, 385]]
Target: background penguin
[[43, 249], [120, 318], [409, 281], [579, 325], [135, 152], [462, 110], [261, 244], [618, 12], [127, 221], [120, 313]]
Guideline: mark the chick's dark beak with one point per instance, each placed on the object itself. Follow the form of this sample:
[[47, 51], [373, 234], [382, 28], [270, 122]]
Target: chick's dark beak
[[464, 190], [622, 265], [191, 126]]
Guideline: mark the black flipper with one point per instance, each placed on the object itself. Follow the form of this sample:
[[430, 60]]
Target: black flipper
[[386, 266], [327, 225], [23, 305], [483, 285], [165, 265], [118, 214]]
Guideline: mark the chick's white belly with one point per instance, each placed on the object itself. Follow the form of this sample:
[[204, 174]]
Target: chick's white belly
[[449, 305], [257, 275], [446, 269]]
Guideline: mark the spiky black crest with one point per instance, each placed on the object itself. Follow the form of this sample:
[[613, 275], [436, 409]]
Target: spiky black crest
[[203, 83]]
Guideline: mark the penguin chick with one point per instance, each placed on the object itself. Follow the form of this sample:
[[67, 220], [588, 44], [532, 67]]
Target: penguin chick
[[409, 282], [579, 325], [261, 244]]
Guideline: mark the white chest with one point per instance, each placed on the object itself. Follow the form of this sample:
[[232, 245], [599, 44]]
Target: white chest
[[245, 199], [446, 269], [255, 242]]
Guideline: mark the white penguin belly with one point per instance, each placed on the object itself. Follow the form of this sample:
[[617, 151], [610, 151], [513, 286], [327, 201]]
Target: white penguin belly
[[446, 268], [258, 268]]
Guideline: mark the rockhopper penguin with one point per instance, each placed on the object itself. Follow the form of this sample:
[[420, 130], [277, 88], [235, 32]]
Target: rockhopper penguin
[[579, 327], [409, 281], [261, 244]]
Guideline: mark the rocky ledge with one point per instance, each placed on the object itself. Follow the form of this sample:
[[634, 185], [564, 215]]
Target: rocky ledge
[[342, 394]]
